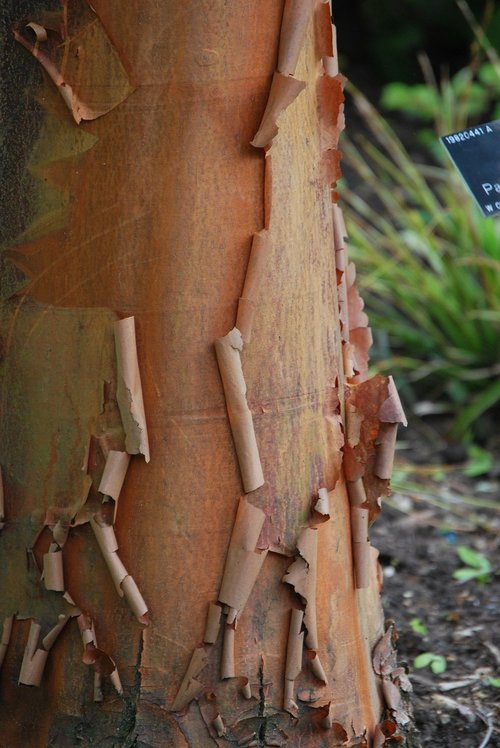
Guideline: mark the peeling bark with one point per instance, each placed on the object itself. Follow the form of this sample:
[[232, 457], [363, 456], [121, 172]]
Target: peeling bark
[[189, 327]]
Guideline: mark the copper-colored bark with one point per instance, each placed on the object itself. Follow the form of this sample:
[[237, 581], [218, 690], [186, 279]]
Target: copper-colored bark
[[150, 211]]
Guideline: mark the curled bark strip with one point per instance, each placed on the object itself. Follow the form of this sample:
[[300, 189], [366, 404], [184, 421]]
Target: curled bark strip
[[302, 575], [386, 449], [360, 336], [246, 689], [242, 567], [391, 410], [357, 493], [219, 726], [357, 317], [213, 624], [330, 97], [59, 521], [324, 31], [102, 663], [394, 701], [400, 677], [293, 659], [391, 414], [360, 546], [268, 189], [190, 688], [243, 562], [354, 418], [124, 583], [135, 600], [316, 666], [368, 457], [330, 66], [39, 31], [228, 350], [326, 720], [227, 669], [114, 473], [363, 403], [53, 574], [356, 335], [72, 102], [384, 653], [259, 254], [6, 634], [361, 340], [339, 235], [284, 90], [359, 524], [296, 16], [329, 169], [386, 731], [83, 65], [129, 391], [35, 656], [324, 717], [321, 508]]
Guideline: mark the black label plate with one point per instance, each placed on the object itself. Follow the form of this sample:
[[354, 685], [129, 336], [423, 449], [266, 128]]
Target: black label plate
[[476, 154]]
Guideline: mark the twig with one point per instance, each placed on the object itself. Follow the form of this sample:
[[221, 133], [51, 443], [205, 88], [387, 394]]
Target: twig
[[489, 724], [449, 703], [453, 684], [479, 33], [447, 685], [425, 518], [494, 651]]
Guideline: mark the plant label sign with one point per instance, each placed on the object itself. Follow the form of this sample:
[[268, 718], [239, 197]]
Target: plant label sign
[[476, 154]]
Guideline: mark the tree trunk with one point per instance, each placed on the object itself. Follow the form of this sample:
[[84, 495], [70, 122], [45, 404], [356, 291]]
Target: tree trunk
[[136, 199]]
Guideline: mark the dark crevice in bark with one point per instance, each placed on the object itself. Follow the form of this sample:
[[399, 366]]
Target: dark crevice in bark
[[262, 706], [126, 731]]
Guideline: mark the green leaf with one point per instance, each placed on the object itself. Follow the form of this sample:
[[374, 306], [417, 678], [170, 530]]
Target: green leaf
[[395, 95], [473, 558], [423, 660], [489, 396], [438, 665], [421, 100], [495, 682], [465, 575], [419, 626], [489, 75], [480, 461]]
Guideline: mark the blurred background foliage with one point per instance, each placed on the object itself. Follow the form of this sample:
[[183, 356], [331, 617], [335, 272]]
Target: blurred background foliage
[[386, 36], [429, 261]]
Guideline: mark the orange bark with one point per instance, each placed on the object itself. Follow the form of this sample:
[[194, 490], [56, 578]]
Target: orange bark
[[159, 201]]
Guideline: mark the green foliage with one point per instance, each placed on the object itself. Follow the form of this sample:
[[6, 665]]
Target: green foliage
[[494, 682], [437, 663], [453, 103], [395, 32], [429, 271], [469, 96], [479, 462], [419, 627], [476, 566]]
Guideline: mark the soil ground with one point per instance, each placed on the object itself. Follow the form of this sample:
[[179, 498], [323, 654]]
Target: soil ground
[[433, 510]]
